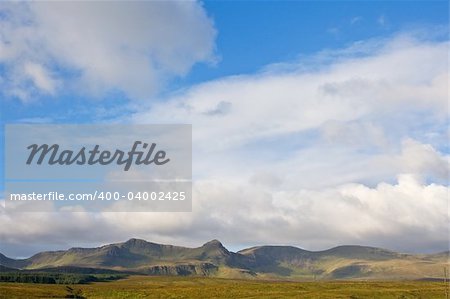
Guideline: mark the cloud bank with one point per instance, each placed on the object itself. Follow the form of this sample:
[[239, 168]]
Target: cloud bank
[[97, 47], [407, 216]]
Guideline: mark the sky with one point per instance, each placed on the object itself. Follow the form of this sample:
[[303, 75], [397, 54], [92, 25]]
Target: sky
[[315, 124]]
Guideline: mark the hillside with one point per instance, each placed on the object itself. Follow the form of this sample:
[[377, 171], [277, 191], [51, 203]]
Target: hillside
[[213, 259]]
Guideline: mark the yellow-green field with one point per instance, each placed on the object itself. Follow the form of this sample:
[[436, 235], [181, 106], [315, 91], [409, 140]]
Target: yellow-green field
[[196, 287]]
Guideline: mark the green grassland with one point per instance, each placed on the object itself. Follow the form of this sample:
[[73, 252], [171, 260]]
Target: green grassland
[[206, 287]]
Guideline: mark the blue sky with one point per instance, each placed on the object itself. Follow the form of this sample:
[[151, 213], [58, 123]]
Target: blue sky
[[320, 100], [251, 36]]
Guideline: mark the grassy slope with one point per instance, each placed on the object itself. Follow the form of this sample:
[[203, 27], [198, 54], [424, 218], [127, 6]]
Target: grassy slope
[[196, 287], [128, 255], [346, 262]]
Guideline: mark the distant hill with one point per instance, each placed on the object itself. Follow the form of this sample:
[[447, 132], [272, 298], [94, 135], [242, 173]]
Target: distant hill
[[213, 259]]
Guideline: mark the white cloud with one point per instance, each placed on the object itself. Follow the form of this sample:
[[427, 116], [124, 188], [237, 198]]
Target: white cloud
[[325, 134], [348, 151], [395, 81], [40, 77], [130, 47], [423, 159], [247, 214]]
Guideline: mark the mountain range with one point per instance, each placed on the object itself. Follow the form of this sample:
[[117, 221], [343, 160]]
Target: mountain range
[[137, 256]]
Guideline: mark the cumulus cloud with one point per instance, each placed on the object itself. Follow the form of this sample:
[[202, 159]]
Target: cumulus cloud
[[98, 47], [245, 214]]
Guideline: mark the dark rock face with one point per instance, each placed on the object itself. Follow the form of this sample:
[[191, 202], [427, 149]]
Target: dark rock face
[[183, 270]]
